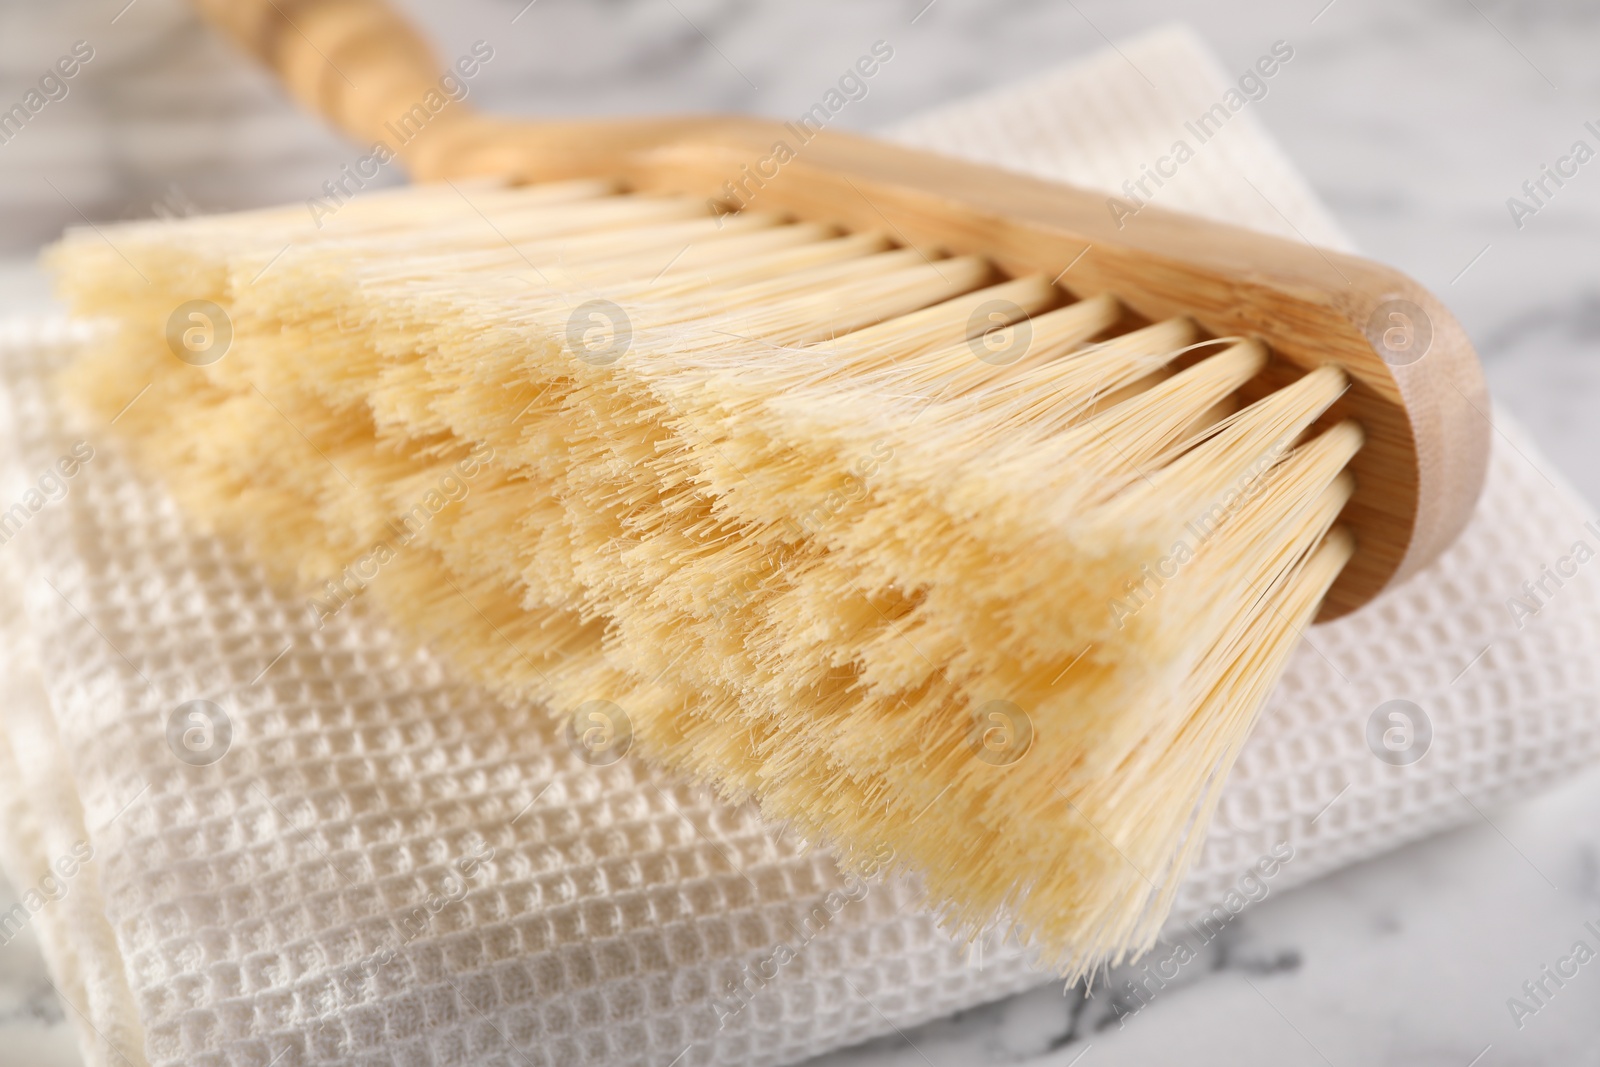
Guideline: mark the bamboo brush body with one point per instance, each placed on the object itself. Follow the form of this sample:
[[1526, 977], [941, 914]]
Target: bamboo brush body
[[809, 524]]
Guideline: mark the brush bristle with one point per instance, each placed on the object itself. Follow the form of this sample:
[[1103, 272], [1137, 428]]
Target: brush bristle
[[932, 564]]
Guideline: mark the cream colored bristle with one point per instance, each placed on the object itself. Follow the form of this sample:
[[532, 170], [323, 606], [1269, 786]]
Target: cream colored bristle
[[920, 558]]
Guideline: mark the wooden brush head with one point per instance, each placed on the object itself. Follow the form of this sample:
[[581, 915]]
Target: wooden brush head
[[1419, 395], [1417, 389]]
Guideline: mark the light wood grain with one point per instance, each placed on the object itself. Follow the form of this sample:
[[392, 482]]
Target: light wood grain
[[1419, 475]]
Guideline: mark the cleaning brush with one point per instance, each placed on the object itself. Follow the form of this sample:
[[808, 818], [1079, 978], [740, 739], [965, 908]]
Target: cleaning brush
[[955, 525]]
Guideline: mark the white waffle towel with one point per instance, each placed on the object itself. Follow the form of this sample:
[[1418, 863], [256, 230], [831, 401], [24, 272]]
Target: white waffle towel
[[387, 867]]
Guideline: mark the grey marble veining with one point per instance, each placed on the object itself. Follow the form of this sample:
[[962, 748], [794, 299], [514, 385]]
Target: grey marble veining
[[1406, 960], [33, 1025], [1415, 122]]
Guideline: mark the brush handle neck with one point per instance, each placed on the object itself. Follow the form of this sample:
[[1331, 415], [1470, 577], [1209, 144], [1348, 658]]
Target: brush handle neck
[[362, 66]]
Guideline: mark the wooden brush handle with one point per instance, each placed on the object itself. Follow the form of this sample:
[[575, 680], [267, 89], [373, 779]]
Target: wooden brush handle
[[363, 67], [1426, 419], [353, 61]]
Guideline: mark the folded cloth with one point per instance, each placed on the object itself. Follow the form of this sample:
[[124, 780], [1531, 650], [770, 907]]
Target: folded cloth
[[246, 840]]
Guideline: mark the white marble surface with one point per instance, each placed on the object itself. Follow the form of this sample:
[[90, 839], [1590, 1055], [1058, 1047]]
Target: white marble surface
[[1415, 123]]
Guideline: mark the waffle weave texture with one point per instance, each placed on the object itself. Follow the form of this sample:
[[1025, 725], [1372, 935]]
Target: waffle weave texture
[[388, 867]]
